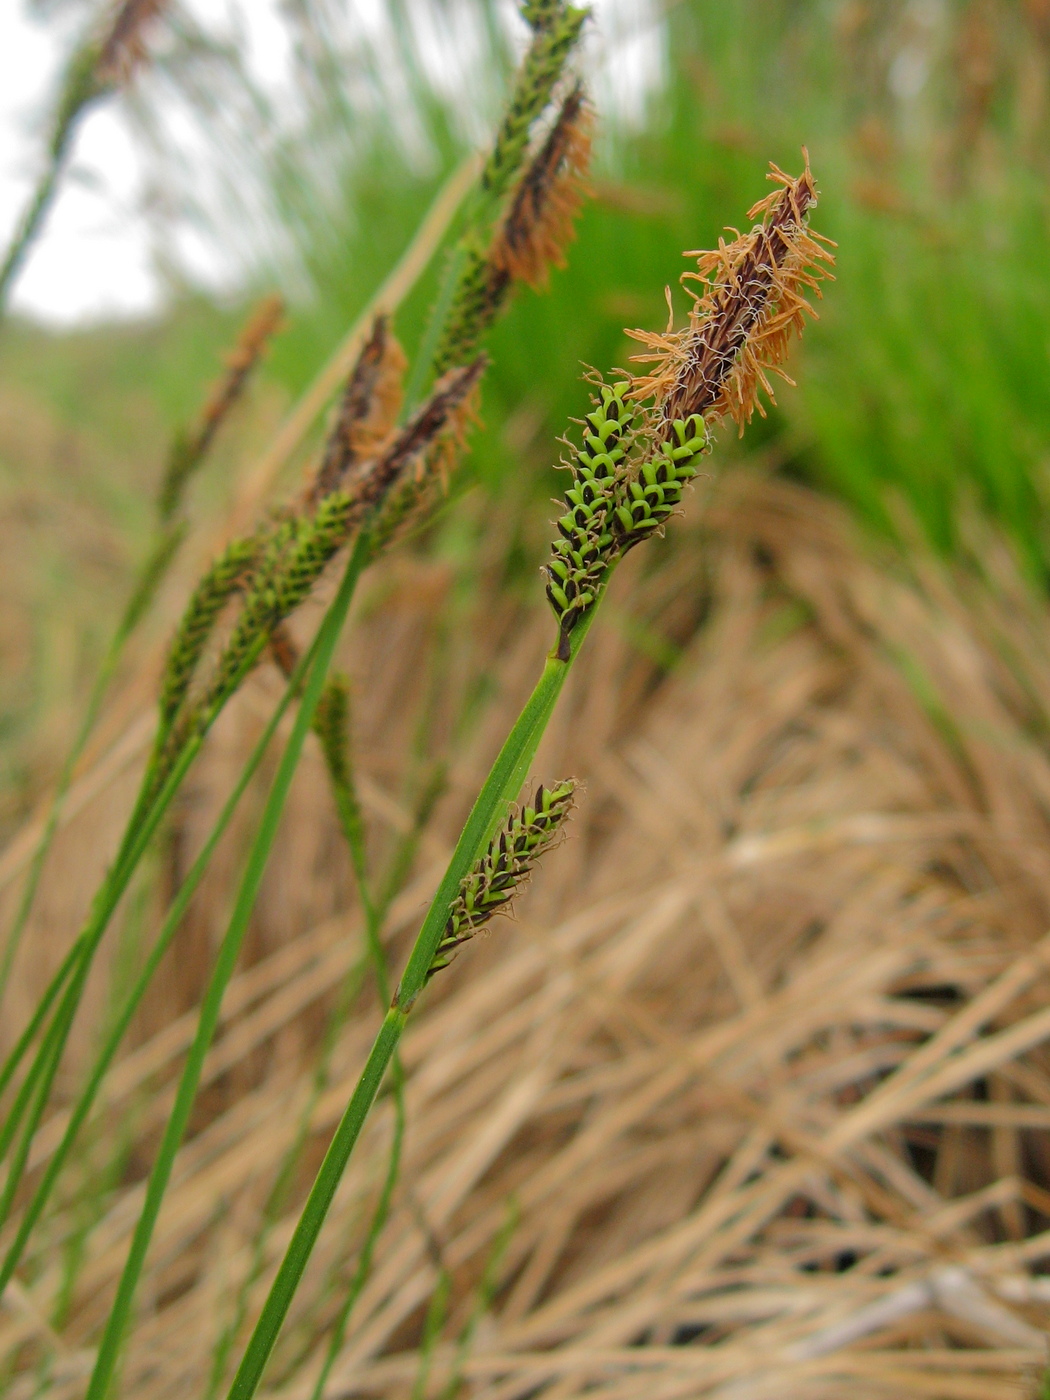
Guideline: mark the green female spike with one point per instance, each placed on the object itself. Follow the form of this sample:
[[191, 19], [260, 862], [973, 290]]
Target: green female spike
[[580, 557], [500, 873]]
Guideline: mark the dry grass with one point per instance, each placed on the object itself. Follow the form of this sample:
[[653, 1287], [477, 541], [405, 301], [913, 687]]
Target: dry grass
[[760, 1078]]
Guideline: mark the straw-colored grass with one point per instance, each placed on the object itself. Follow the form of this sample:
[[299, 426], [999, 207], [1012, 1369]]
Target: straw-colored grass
[[752, 1098]]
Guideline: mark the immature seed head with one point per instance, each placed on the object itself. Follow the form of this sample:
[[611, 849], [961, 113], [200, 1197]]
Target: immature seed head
[[499, 875], [586, 530], [230, 574], [740, 325], [191, 446], [555, 31], [635, 463], [427, 449]]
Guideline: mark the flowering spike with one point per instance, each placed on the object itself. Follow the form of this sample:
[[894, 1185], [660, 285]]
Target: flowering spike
[[191, 446], [367, 411], [498, 876], [629, 475], [539, 222], [740, 325]]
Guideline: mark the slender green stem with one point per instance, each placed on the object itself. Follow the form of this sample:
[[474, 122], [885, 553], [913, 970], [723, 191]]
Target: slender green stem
[[34, 1093], [502, 785], [80, 88], [49, 1055], [225, 962], [31, 221], [134, 998], [142, 825], [375, 910], [364, 1258], [349, 811], [316, 1208], [482, 1300], [405, 854], [54, 816]]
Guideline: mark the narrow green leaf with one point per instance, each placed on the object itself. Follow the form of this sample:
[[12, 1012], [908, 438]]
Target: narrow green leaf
[[225, 962]]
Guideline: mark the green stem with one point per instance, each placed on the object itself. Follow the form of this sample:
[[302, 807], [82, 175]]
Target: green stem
[[379, 1219], [482, 1301], [229, 950], [502, 785], [131, 1004], [349, 811], [316, 1208], [437, 1311], [80, 90], [34, 1092], [142, 825], [375, 910]]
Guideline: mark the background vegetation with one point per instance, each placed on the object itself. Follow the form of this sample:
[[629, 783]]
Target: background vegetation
[[926, 381]]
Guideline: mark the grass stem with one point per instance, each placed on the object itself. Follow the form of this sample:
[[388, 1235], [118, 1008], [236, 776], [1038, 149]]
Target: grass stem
[[225, 962], [131, 1003], [504, 781]]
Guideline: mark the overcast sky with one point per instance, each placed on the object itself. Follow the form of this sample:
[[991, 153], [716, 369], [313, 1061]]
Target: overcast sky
[[93, 260]]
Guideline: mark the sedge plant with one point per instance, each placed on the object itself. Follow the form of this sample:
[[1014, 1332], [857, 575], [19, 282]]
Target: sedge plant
[[640, 447], [380, 488], [188, 451], [271, 573], [374, 472]]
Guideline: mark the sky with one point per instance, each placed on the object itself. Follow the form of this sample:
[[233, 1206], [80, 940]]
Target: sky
[[94, 259]]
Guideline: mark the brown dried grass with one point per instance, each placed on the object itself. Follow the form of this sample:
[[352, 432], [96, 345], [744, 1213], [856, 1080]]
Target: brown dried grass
[[763, 1064]]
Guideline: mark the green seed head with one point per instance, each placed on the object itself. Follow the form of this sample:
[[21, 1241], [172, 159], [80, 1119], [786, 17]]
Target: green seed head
[[499, 875]]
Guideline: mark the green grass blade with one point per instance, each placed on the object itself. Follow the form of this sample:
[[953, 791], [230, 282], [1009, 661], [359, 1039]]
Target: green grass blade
[[132, 1001], [34, 1092], [437, 1313], [312, 1218], [116, 1324], [502, 785], [143, 592], [142, 825]]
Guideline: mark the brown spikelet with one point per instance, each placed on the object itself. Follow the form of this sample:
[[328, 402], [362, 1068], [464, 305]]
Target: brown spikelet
[[368, 410], [740, 325], [435, 428], [191, 446], [430, 464], [264, 322], [439, 463], [123, 46], [539, 222]]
